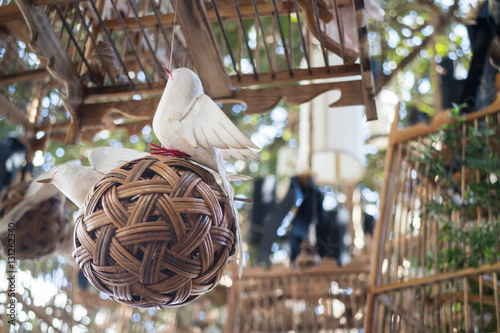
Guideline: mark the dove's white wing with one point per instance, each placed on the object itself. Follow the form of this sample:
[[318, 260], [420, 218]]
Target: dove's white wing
[[205, 124], [105, 159]]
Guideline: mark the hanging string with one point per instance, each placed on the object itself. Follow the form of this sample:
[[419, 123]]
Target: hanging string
[[173, 36]]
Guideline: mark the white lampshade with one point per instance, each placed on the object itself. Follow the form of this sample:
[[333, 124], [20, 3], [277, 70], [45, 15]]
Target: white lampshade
[[337, 155], [333, 140]]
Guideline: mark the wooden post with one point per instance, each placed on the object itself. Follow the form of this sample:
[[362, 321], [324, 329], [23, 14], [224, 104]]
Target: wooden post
[[200, 38], [45, 43], [379, 231]]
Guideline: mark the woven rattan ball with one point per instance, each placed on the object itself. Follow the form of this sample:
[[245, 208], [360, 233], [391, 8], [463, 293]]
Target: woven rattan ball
[[41, 230], [155, 232]]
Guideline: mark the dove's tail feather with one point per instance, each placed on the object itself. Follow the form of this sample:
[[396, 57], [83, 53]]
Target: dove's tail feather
[[66, 249], [234, 177], [230, 193], [239, 154]]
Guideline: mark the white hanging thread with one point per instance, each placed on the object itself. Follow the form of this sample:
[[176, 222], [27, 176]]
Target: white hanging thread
[[173, 36]]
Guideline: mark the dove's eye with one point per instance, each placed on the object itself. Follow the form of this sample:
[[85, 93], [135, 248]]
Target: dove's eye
[[168, 72]]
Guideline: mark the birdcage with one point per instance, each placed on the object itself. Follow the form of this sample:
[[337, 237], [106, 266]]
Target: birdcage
[[107, 56], [320, 299], [436, 264]]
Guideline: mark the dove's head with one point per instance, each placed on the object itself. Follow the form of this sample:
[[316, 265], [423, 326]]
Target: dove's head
[[62, 173], [184, 81]]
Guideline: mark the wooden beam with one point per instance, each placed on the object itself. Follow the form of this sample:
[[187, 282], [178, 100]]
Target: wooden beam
[[197, 30], [13, 114], [298, 75], [227, 14], [10, 13], [36, 74], [45, 43], [431, 279], [257, 101], [93, 115], [282, 77], [265, 99], [94, 94], [51, 2]]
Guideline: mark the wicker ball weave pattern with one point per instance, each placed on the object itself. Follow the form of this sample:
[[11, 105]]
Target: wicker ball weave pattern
[[155, 232], [41, 230]]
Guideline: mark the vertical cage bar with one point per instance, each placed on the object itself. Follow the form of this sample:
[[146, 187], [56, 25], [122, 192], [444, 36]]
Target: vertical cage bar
[[245, 37], [283, 39], [106, 31], [223, 30]]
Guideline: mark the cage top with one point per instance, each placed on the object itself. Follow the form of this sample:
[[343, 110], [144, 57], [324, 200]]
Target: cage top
[[106, 56]]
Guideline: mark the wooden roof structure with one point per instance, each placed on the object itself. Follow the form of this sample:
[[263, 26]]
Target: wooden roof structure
[[103, 58]]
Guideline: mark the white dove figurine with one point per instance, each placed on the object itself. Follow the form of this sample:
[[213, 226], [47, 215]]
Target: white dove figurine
[[35, 195], [189, 122], [105, 159], [75, 180]]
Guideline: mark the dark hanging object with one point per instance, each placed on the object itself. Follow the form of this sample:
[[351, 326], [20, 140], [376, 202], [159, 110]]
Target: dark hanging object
[[449, 84], [311, 210], [12, 157], [328, 237], [293, 198], [264, 200], [368, 224], [479, 88]]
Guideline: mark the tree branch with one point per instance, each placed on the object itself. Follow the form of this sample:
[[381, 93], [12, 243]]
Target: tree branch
[[385, 79]]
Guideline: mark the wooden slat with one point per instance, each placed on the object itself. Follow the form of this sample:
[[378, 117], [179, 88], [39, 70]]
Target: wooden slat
[[92, 115], [197, 30], [51, 2], [36, 74], [380, 229], [45, 43], [265, 99], [10, 13], [424, 129], [227, 13], [298, 75], [94, 94], [431, 279], [257, 101], [13, 114], [366, 68]]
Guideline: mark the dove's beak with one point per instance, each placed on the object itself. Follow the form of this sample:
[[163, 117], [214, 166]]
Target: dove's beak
[[168, 72], [45, 181]]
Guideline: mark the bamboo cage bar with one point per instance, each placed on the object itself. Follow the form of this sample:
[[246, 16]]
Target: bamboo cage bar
[[437, 234], [322, 298]]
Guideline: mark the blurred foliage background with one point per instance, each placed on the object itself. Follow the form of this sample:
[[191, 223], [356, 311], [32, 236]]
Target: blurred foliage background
[[407, 48]]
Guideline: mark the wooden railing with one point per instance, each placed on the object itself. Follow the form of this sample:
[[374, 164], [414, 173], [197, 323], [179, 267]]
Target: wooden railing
[[319, 299], [437, 259]]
